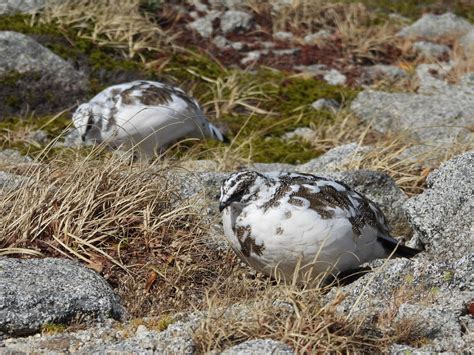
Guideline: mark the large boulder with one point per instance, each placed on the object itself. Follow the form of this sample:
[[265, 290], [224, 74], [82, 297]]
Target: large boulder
[[34, 77], [443, 215], [428, 298], [22, 54], [431, 26], [443, 117], [38, 292]]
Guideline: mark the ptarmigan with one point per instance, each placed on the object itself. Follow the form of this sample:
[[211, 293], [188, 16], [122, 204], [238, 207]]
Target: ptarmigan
[[146, 115], [300, 225]]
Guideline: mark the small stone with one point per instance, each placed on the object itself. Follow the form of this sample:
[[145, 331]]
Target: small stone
[[430, 50], [203, 25], [38, 136], [233, 20], [283, 36], [9, 182], [260, 346], [315, 69], [383, 71], [326, 104], [315, 38], [220, 42], [334, 77], [305, 133], [288, 51], [238, 46], [252, 56], [431, 77]]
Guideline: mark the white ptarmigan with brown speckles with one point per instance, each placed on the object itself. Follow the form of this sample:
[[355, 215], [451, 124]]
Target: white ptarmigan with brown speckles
[[280, 223], [147, 115]]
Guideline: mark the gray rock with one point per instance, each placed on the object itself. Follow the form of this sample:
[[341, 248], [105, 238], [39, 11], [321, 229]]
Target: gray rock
[[72, 138], [253, 56], [112, 338], [260, 346], [443, 215], [315, 38], [13, 157], [431, 322], [10, 181], [442, 291], [22, 54], [431, 26], [334, 77], [326, 104], [287, 51], [335, 159], [220, 42], [233, 20], [20, 6], [438, 118], [384, 72], [199, 6], [467, 43], [38, 136], [304, 133], [431, 77], [315, 69], [430, 50], [203, 25], [176, 339], [36, 292], [238, 46], [283, 36]]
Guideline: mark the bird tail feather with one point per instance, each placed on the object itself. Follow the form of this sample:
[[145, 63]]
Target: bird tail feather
[[393, 246], [217, 134]]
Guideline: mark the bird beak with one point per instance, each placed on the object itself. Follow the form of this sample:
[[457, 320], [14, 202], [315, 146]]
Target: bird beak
[[223, 205]]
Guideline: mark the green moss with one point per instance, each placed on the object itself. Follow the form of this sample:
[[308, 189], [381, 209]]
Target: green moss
[[448, 275], [409, 279], [53, 328], [162, 323]]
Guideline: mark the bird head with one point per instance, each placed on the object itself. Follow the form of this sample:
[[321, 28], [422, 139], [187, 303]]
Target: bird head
[[241, 188], [87, 123]]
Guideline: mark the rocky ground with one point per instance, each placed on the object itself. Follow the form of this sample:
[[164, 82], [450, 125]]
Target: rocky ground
[[101, 255]]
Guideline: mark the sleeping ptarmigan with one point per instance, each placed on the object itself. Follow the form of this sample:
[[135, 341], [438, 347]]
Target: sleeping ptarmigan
[[300, 225], [146, 115]]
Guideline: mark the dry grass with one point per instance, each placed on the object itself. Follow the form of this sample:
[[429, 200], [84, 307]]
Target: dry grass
[[116, 24], [391, 153], [362, 41], [125, 221], [296, 316]]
